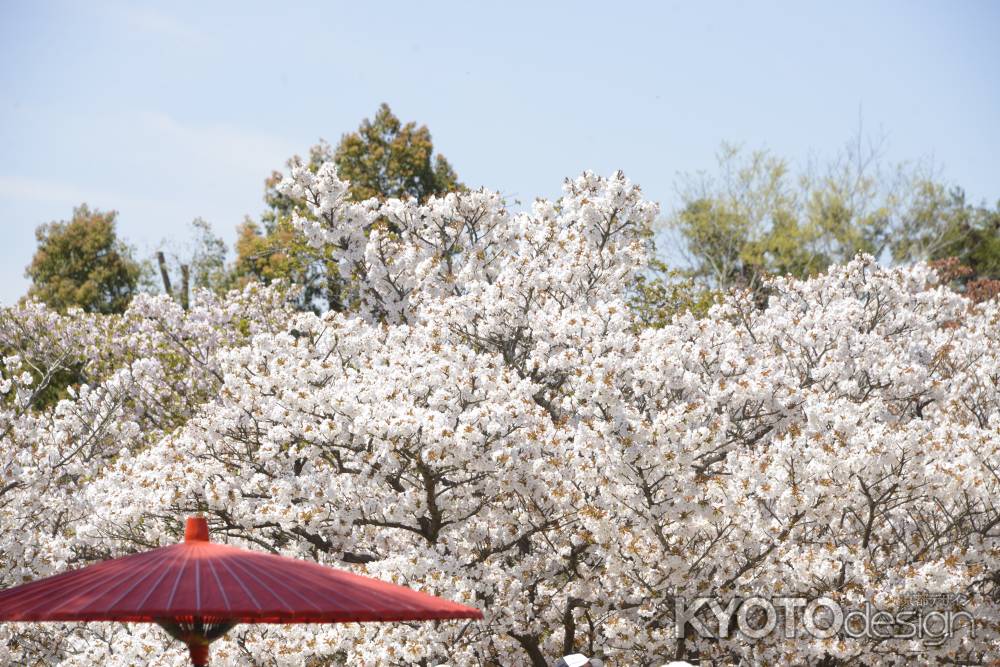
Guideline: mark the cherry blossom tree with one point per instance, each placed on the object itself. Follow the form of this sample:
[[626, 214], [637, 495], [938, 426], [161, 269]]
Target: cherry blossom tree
[[491, 423]]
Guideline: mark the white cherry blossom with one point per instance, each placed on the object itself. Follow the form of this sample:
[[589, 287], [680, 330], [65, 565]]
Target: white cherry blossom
[[492, 424]]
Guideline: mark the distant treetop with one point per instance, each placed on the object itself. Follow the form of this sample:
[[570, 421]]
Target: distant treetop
[[82, 262], [385, 158]]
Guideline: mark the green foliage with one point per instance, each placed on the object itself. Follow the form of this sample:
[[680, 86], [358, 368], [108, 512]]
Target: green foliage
[[207, 258], [383, 158], [56, 386], [746, 223], [81, 262], [753, 219], [270, 251], [932, 225], [853, 203], [980, 249], [663, 293], [940, 223], [960, 239]]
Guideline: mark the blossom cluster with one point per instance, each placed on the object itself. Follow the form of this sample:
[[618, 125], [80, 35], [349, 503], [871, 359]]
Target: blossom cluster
[[491, 423]]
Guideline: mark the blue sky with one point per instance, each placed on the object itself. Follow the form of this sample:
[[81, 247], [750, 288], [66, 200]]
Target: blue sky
[[168, 111]]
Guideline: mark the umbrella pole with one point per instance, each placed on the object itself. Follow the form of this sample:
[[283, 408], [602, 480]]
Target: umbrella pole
[[199, 654]]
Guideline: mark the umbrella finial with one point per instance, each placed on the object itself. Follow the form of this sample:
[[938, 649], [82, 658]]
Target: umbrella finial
[[196, 529]]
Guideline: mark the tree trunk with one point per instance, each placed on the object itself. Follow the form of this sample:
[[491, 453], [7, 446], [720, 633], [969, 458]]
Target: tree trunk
[[185, 286], [163, 271], [530, 645]]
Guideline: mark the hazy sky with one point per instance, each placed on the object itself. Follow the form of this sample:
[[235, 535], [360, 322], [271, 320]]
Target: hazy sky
[[168, 111]]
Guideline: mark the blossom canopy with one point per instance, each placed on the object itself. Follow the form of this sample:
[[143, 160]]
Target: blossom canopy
[[491, 421]]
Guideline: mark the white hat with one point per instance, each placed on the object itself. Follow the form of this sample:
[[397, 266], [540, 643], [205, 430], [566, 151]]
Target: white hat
[[574, 660]]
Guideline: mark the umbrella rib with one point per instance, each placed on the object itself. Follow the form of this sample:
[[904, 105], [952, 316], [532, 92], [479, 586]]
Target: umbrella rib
[[83, 585], [177, 579], [218, 581], [324, 582], [149, 572], [416, 600], [282, 581], [56, 579], [239, 581], [362, 595], [153, 588], [244, 565], [373, 594], [197, 586], [44, 587]]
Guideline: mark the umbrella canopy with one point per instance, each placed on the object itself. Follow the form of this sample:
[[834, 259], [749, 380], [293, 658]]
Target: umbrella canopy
[[198, 590]]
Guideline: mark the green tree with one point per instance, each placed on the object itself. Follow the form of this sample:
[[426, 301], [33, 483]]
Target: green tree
[[754, 219], [661, 293], [746, 222], [82, 262], [384, 158], [268, 251], [962, 240], [932, 225], [207, 258], [980, 249]]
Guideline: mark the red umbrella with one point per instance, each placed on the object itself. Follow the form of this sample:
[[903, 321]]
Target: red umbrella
[[198, 590]]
